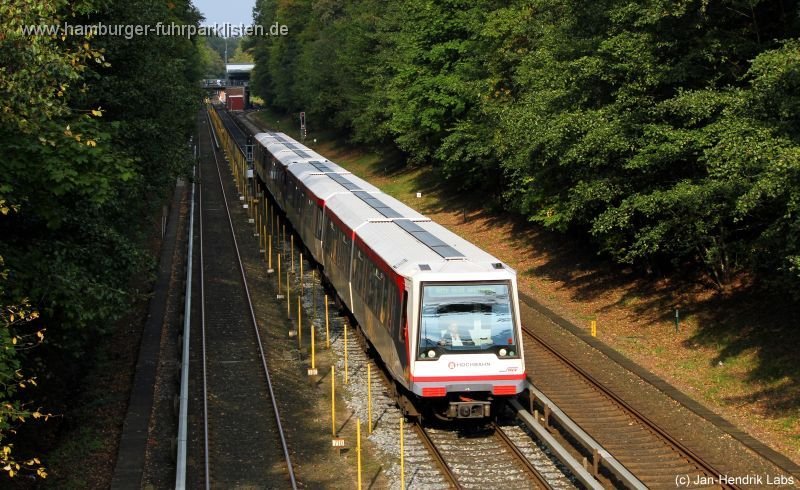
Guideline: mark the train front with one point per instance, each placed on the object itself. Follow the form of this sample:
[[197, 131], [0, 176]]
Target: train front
[[467, 355]]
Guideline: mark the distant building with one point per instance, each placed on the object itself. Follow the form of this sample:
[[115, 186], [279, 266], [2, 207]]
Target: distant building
[[238, 73], [237, 91]]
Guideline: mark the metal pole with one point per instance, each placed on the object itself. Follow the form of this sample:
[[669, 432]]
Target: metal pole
[[280, 286], [327, 328], [269, 261], [299, 325], [369, 398], [288, 302], [402, 457], [313, 361], [358, 450], [333, 400]]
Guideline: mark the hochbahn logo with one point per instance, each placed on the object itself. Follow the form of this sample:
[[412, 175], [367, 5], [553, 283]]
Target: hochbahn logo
[[454, 364]]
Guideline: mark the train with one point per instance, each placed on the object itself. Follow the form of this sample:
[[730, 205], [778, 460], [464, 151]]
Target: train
[[441, 313]]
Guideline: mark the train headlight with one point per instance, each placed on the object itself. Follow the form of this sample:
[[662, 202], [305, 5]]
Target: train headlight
[[431, 353], [503, 352]]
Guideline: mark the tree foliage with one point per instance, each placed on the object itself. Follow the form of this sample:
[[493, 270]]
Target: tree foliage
[[666, 133], [90, 148]]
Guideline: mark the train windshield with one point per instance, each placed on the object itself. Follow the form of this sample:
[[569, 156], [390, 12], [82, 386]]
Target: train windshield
[[468, 318]]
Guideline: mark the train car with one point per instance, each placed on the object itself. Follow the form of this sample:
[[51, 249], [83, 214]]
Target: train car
[[442, 314]]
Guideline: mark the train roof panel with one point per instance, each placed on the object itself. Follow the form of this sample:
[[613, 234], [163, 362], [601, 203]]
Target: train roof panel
[[470, 251], [383, 236], [437, 245], [351, 210], [303, 168], [414, 257], [268, 138], [321, 186]]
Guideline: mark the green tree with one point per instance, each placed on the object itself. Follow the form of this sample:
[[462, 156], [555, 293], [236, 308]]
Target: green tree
[[90, 152], [211, 61]]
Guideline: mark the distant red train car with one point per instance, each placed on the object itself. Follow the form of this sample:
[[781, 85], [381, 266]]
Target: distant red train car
[[234, 98]]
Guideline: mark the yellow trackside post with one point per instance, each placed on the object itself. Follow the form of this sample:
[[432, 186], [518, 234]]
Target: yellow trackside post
[[402, 457], [313, 360], [301, 274], [327, 327], [369, 398], [262, 239], [269, 248], [333, 400], [288, 292], [345, 353], [299, 325], [594, 328], [358, 450], [313, 294], [280, 286]]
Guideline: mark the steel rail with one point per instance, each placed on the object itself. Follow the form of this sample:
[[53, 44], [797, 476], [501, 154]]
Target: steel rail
[[543, 483], [206, 465], [276, 410], [695, 459], [447, 471], [183, 418]]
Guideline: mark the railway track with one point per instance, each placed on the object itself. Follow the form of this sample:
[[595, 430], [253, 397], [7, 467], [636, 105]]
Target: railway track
[[646, 450], [649, 452], [241, 445], [465, 456], [453, 457], [484, 456]]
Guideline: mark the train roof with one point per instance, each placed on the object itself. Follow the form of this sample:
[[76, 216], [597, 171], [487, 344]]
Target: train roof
[[383, 223]]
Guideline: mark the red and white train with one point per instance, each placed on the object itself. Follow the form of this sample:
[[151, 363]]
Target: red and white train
[[442, 314]]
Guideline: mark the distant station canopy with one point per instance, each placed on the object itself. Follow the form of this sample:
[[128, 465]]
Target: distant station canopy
[[234, 91], [238, 73]]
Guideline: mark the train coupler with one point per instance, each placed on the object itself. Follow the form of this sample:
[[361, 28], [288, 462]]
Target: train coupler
[[469, 410]]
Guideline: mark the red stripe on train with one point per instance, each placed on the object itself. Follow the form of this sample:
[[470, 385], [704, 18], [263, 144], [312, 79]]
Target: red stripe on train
[[444, 379]]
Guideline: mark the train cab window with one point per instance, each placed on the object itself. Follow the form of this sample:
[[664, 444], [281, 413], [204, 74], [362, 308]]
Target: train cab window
[[467, 317]]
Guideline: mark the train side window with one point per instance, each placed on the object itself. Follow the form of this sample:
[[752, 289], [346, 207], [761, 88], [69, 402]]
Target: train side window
[[371, 288], [334, 244], [391, 309], [359, 275], [346, 254], [318, 224], [358, 271], [377, 286], [384, 300], [401, 334]]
